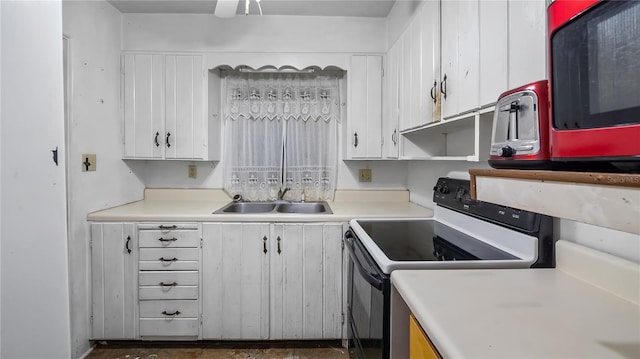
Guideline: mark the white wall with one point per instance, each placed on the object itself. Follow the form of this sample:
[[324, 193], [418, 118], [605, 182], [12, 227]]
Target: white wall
[[399, 18], [35, 291], [93, 28], [191, 32]]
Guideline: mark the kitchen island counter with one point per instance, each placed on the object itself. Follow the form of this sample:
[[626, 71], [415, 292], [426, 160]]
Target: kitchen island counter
[[586, 307], [199, 205]]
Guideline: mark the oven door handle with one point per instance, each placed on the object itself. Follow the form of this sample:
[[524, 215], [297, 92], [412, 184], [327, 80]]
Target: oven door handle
[[371, 278]]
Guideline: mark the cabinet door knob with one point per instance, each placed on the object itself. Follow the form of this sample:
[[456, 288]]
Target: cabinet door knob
[[156, 139], [433, 91], [279, 251], [126, 245], [443, 86], [168, 143], [264, 244]]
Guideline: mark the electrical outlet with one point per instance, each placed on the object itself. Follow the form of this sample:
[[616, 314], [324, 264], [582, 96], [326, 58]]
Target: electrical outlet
[[89, 163], [193, 171], [365, 174]]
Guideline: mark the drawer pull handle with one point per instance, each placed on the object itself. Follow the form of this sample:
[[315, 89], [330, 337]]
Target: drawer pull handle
[[173, 284], [167, 239], [126, 245], [177, 312], [167, 227], [163, 259]]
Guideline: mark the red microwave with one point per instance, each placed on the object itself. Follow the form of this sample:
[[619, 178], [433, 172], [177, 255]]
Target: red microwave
[[594, 83]]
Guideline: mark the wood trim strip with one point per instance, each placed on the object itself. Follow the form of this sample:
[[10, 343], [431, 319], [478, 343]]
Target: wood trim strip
[[607, 179]]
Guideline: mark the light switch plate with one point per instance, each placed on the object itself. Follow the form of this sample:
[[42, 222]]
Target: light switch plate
[[89, 162], [364, 174]]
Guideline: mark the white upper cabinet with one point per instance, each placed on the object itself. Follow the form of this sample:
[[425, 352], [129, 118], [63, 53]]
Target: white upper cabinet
[[493, 50], [390, 134], [164, 107], [527, 42], [430, 37], [460, 57], [364, 123]]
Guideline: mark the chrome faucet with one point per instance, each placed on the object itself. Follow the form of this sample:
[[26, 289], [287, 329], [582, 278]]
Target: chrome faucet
[[281, 193]]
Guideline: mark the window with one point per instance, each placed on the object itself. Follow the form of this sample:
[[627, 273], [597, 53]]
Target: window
[[281, 132]]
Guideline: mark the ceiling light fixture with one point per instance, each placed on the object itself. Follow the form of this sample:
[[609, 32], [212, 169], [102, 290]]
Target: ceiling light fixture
[[228, 8]]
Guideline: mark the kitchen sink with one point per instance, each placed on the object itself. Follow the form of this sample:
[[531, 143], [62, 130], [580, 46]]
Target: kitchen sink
[[308, 207], [275, 207], [247, 207]]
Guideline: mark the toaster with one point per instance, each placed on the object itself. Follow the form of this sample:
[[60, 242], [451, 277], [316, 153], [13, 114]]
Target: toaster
[[520, 132]]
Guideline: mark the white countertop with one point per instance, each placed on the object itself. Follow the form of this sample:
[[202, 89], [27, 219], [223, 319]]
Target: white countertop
[[199, 205], [527, 313]]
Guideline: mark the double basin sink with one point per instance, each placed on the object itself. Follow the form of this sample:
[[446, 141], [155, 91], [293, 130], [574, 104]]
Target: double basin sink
[[275, 207]]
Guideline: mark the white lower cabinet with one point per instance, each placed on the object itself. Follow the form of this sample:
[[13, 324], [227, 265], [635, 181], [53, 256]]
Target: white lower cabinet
[[235, 281], [306, 281], [272, 281], [114, 285], [217, 281]]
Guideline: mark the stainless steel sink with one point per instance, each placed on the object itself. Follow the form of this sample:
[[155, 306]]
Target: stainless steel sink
[[247, 207], [307, 207], [275, 207]]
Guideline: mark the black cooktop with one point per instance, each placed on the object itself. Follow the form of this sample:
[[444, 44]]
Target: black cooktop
[[428, 240]]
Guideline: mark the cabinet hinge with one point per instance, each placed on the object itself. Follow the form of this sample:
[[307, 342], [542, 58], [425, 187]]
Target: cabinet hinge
[[91, 319], [200, 242], [91, 243], [342, 244], [342, 318]]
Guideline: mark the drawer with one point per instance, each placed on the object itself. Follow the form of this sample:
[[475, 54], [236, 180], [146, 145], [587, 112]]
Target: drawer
[[169, 327], [165, 293], [170, 239], [166, 227], [158, 308], [169, 258], [154, 278]]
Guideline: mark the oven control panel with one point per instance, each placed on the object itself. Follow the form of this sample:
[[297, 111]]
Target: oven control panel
[[455, 194]]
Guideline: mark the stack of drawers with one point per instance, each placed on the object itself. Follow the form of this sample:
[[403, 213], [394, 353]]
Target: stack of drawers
[[168, 280]]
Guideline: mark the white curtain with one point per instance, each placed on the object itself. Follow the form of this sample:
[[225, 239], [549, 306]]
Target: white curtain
[[281, 132]]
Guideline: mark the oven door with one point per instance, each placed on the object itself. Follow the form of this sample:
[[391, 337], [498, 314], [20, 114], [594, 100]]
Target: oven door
[[369, 303]]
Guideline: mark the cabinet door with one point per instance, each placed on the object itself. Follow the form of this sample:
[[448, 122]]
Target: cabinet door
[[143, 106], [460, 56], [306, 281], [185, 133], [493, 50], [430, 19], [527, 42], [114, 281], [235, 281], [404, 81], [390, 94], [365, 107], [415, 55]]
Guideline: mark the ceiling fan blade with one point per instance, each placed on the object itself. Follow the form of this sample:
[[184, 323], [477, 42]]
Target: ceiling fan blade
[[226, 8]]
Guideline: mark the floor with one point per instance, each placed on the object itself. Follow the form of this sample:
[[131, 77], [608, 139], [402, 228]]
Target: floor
[[176, 352]]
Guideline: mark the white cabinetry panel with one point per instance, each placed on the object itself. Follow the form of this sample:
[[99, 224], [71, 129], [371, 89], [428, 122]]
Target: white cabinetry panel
[[364, 138], [390, 103], [493, 50], [235, 281], [527, 42], [114, 283], [164, 107], [306, 281]]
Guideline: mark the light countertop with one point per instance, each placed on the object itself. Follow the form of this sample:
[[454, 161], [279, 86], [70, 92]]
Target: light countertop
[[199, 205], [529, 313]]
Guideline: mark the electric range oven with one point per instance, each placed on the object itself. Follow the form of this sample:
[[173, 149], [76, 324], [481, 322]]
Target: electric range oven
[[463, 234]]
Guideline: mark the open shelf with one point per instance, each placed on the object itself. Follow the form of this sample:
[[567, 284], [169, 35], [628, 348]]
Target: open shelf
[[610, 200], [463, 138]]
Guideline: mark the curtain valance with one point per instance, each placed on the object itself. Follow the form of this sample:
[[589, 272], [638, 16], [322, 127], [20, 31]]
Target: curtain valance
[[285, 96]]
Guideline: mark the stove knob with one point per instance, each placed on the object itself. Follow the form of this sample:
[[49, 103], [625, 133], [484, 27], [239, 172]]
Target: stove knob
[[444, 190], [506, 151]]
